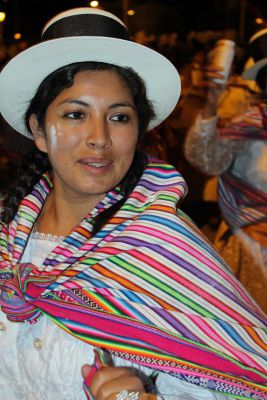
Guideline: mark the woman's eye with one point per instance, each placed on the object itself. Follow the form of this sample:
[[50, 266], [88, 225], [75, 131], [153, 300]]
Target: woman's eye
[[74, 115], [120, 118]]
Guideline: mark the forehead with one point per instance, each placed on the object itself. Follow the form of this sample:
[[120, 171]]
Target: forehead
[[105, 87], [94, 76], [99, 82]]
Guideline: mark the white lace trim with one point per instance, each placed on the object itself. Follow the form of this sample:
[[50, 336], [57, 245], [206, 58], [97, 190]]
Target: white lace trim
[[47, 236]]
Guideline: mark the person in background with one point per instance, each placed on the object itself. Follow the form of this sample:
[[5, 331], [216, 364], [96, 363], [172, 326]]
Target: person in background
[[229, 140], [104, 281], [200, 204]]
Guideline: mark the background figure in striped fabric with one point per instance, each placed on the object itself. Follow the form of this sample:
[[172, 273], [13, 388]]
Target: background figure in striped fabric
[[234, 148]]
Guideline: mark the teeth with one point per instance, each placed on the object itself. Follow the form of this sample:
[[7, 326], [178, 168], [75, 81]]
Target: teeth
[[96, 164]]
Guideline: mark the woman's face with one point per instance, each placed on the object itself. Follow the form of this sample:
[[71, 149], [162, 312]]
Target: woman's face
[[91, 133]]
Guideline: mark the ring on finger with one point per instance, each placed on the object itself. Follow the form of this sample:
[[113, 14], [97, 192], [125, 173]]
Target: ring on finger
[[125, 395]]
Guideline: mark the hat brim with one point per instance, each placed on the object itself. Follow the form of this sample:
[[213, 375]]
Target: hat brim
[[251, 72], [21, 77]]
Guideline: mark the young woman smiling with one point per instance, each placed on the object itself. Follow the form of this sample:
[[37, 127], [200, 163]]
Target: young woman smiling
[[105, 285]]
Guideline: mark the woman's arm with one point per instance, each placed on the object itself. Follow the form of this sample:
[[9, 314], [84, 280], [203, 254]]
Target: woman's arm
[[204, 148]]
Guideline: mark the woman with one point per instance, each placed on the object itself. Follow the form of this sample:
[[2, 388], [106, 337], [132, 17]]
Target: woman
[[229, 140], [95, 253]]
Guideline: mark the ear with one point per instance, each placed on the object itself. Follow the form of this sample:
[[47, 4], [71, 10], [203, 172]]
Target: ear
[[38, 133]]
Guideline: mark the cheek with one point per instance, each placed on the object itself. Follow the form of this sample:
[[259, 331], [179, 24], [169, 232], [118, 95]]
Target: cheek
[[126, 145], [52, 135], [130, 148]]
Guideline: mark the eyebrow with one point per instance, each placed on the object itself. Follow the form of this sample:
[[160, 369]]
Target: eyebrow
[[85, 104]]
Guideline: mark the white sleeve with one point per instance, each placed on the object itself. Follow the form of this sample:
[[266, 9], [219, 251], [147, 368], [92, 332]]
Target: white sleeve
[[205, 150]]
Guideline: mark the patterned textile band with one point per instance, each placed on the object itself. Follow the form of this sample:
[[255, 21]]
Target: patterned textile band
[[147, 287]]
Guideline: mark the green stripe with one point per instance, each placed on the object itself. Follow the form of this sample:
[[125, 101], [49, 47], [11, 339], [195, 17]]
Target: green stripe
[[130, 207], [102, 300], [160, 285], [26, 216]]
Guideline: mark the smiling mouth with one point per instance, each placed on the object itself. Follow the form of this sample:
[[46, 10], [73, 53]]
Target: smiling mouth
[[97, 164]]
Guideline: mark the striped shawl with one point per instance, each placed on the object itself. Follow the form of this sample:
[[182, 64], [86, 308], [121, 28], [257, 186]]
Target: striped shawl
[[148, 287]]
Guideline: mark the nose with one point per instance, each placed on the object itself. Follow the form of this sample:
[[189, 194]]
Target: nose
[[97, 135]]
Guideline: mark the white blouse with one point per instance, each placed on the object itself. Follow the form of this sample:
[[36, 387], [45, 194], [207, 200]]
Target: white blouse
[[42, 362], [211, 155]]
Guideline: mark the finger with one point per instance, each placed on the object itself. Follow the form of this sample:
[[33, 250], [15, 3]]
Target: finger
[[215, 68], [107, 374], [85, 370], [216, 76], [110, 389]]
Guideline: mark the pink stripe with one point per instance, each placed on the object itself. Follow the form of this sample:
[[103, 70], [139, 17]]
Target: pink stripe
[[185, 282], [166, 343], [29, 204], [184, 246], [139, 196]]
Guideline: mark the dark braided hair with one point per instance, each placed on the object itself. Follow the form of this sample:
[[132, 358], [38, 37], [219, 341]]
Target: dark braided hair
[[37, 162]]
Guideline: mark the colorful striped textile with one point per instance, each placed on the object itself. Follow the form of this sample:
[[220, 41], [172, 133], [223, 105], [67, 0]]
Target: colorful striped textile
[[147, 287], [240, 203], [252, 124]]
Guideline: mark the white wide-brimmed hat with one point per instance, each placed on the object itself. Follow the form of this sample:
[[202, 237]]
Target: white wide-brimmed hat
[[258, 54], [85, 34]]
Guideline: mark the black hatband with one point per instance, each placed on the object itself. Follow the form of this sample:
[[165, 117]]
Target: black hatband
[[86, 25]]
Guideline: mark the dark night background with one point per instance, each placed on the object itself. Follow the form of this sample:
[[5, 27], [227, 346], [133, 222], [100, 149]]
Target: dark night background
[[29, 16]]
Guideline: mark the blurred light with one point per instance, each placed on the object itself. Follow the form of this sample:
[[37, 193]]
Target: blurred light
[[259, 21], [17, 36], [130, 12], [94, 3], [2, 16]]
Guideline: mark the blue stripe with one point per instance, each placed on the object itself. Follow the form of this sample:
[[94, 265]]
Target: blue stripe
[[177, 228], [237, 338]]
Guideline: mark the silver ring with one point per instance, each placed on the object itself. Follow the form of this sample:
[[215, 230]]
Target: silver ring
[[125, 395]]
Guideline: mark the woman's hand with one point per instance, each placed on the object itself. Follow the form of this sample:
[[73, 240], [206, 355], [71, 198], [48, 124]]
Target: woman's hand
[[107, 382], [212, 73]]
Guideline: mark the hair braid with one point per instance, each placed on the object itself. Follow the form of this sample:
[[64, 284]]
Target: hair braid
[[32, 167]]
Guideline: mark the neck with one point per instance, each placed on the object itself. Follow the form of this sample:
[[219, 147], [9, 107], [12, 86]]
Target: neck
[[60, 215]]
